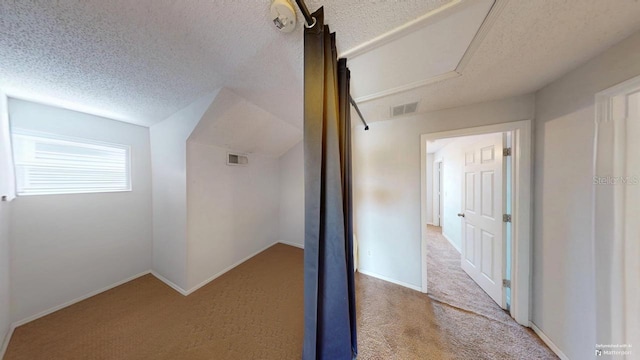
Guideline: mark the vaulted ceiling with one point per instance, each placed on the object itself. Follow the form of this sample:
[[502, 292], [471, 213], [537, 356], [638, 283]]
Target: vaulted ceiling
[[140, 61]]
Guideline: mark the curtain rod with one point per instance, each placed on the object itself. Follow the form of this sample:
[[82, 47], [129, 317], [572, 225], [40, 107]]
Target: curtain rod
[[355, 105], [311, 22]]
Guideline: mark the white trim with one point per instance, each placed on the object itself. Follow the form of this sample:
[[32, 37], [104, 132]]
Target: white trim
[[487, 24], [175, 287], [409, 27], [29, 319], [427, 19], [78, 299], [609, 215], [548, 341], [522, 205], [448, 75], [387, 279], [169, 283], [217, 275], [301, 246], [227, 269], [452, 243], [7, 339]]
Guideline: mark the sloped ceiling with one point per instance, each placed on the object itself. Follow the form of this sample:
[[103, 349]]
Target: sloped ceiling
[[140, 61], [233, 123]]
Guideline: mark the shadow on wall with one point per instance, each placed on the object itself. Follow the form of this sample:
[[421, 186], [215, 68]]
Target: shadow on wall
[[564, 304]]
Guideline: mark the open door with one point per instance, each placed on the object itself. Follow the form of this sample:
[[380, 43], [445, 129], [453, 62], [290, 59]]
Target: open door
[[482, 230]]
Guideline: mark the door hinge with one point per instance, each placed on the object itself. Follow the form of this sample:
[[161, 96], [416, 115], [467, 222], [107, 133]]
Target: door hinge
[[506, 151], [506, 218], [506, 283]]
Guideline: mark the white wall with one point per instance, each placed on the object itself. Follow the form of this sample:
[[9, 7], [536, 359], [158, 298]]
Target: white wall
[[292, 196], [387, 182], [563, 262], [169, 173], [5, 298], [66, 246], [429, 195], [452, 157], [232, 211], [7, 188]]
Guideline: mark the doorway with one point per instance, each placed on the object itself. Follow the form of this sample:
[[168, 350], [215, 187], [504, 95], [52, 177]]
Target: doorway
[[473, 188], [519, 136]]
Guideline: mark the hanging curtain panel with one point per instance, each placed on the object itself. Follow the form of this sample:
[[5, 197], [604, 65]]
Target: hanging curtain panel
[[329, 293]]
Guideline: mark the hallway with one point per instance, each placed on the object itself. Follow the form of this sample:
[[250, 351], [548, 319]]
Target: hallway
[[450, 285]]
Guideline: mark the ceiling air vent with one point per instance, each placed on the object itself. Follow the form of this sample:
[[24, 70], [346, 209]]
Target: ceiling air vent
[[237, 159], [404, 109]]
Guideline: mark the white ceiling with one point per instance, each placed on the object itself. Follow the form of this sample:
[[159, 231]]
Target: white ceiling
[[234, 123], [433, 146], [431, 48], [140, 61], [530, 44]]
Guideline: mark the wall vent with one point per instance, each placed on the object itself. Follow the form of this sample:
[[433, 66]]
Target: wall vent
[[237, 159], [404, 109]]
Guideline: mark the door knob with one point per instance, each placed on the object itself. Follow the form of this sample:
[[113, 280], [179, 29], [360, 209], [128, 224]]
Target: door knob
[[461, 214]]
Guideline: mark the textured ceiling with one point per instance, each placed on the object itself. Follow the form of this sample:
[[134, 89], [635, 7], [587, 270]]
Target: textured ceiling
[[530, 44], [140, 61]]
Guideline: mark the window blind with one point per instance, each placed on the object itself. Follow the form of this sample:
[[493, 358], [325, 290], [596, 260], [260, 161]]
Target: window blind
[[51, 164]]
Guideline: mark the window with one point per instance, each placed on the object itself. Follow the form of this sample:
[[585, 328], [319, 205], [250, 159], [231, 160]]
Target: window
[[51, 164]]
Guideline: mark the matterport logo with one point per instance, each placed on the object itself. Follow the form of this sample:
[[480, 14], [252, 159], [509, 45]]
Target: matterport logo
[[613, 349], [616, 180]]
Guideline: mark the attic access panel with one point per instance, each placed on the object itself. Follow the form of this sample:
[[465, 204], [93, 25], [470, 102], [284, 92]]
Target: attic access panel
[[423, 52]]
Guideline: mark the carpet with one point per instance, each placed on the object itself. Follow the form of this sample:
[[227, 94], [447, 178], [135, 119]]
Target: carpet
[[448, 283], [255, 311]]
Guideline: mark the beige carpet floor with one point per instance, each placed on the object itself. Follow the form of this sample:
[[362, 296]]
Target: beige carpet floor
[[255, 312], [448, 283]]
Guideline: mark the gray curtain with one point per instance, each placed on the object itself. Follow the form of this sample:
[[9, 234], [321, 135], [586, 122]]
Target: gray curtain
[[329, 293]]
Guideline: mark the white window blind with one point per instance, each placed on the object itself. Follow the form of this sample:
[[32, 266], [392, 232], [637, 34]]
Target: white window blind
[[51, 164]]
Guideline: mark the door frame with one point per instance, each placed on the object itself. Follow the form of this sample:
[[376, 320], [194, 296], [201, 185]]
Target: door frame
[[439, 202], [609, 215], [521, 206]]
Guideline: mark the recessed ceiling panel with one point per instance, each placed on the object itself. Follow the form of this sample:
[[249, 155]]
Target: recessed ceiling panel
[[427, 51]]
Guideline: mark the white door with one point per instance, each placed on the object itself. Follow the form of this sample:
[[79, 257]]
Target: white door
[[482, 234]]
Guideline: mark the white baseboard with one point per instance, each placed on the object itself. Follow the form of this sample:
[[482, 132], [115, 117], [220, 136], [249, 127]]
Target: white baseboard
[[228, 268], [7, 338], [175, 287], [548, 341], [452, 243], [31, 318], [301, 246], [387, 279], [169, 283], [78, 299]]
